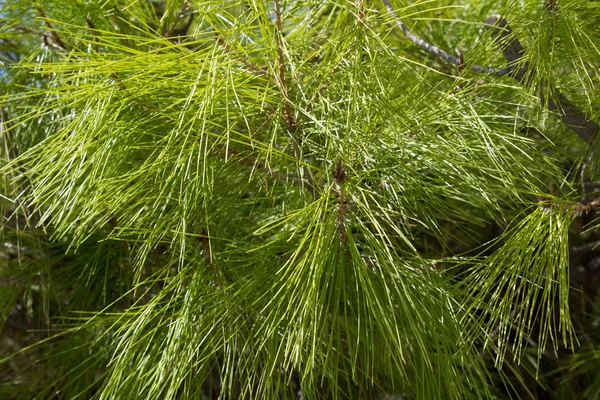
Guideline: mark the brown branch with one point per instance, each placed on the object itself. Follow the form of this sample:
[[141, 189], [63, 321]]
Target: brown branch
[[581, 208], [204, 240], [289, 118], [173, 31], [585, 248], [458, 61], [360, 13], [288, 109], [92, 27], [134, 98], [572, 116], [56, 39], [339, 174], [243, 60], [577, 210]]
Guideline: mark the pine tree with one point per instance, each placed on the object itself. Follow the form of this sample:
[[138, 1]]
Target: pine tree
[[299, 199]]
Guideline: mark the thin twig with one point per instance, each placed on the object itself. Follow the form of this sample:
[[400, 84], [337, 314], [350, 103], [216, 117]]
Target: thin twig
[[458, 61], [243, 60], [204, 239], [92, 27], [288, 109], [360, 13], [56, 39], [205, 244]]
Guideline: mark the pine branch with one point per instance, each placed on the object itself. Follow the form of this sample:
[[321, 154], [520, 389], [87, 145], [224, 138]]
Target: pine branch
[[197, 169], [289, 118], [458, 61], [309, 184], [571, 115], [585, 248]]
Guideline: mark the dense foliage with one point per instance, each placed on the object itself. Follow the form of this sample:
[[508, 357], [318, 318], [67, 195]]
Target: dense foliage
[[299, 199]]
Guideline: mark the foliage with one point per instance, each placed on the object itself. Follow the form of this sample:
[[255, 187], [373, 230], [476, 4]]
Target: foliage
[[293, 199]]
